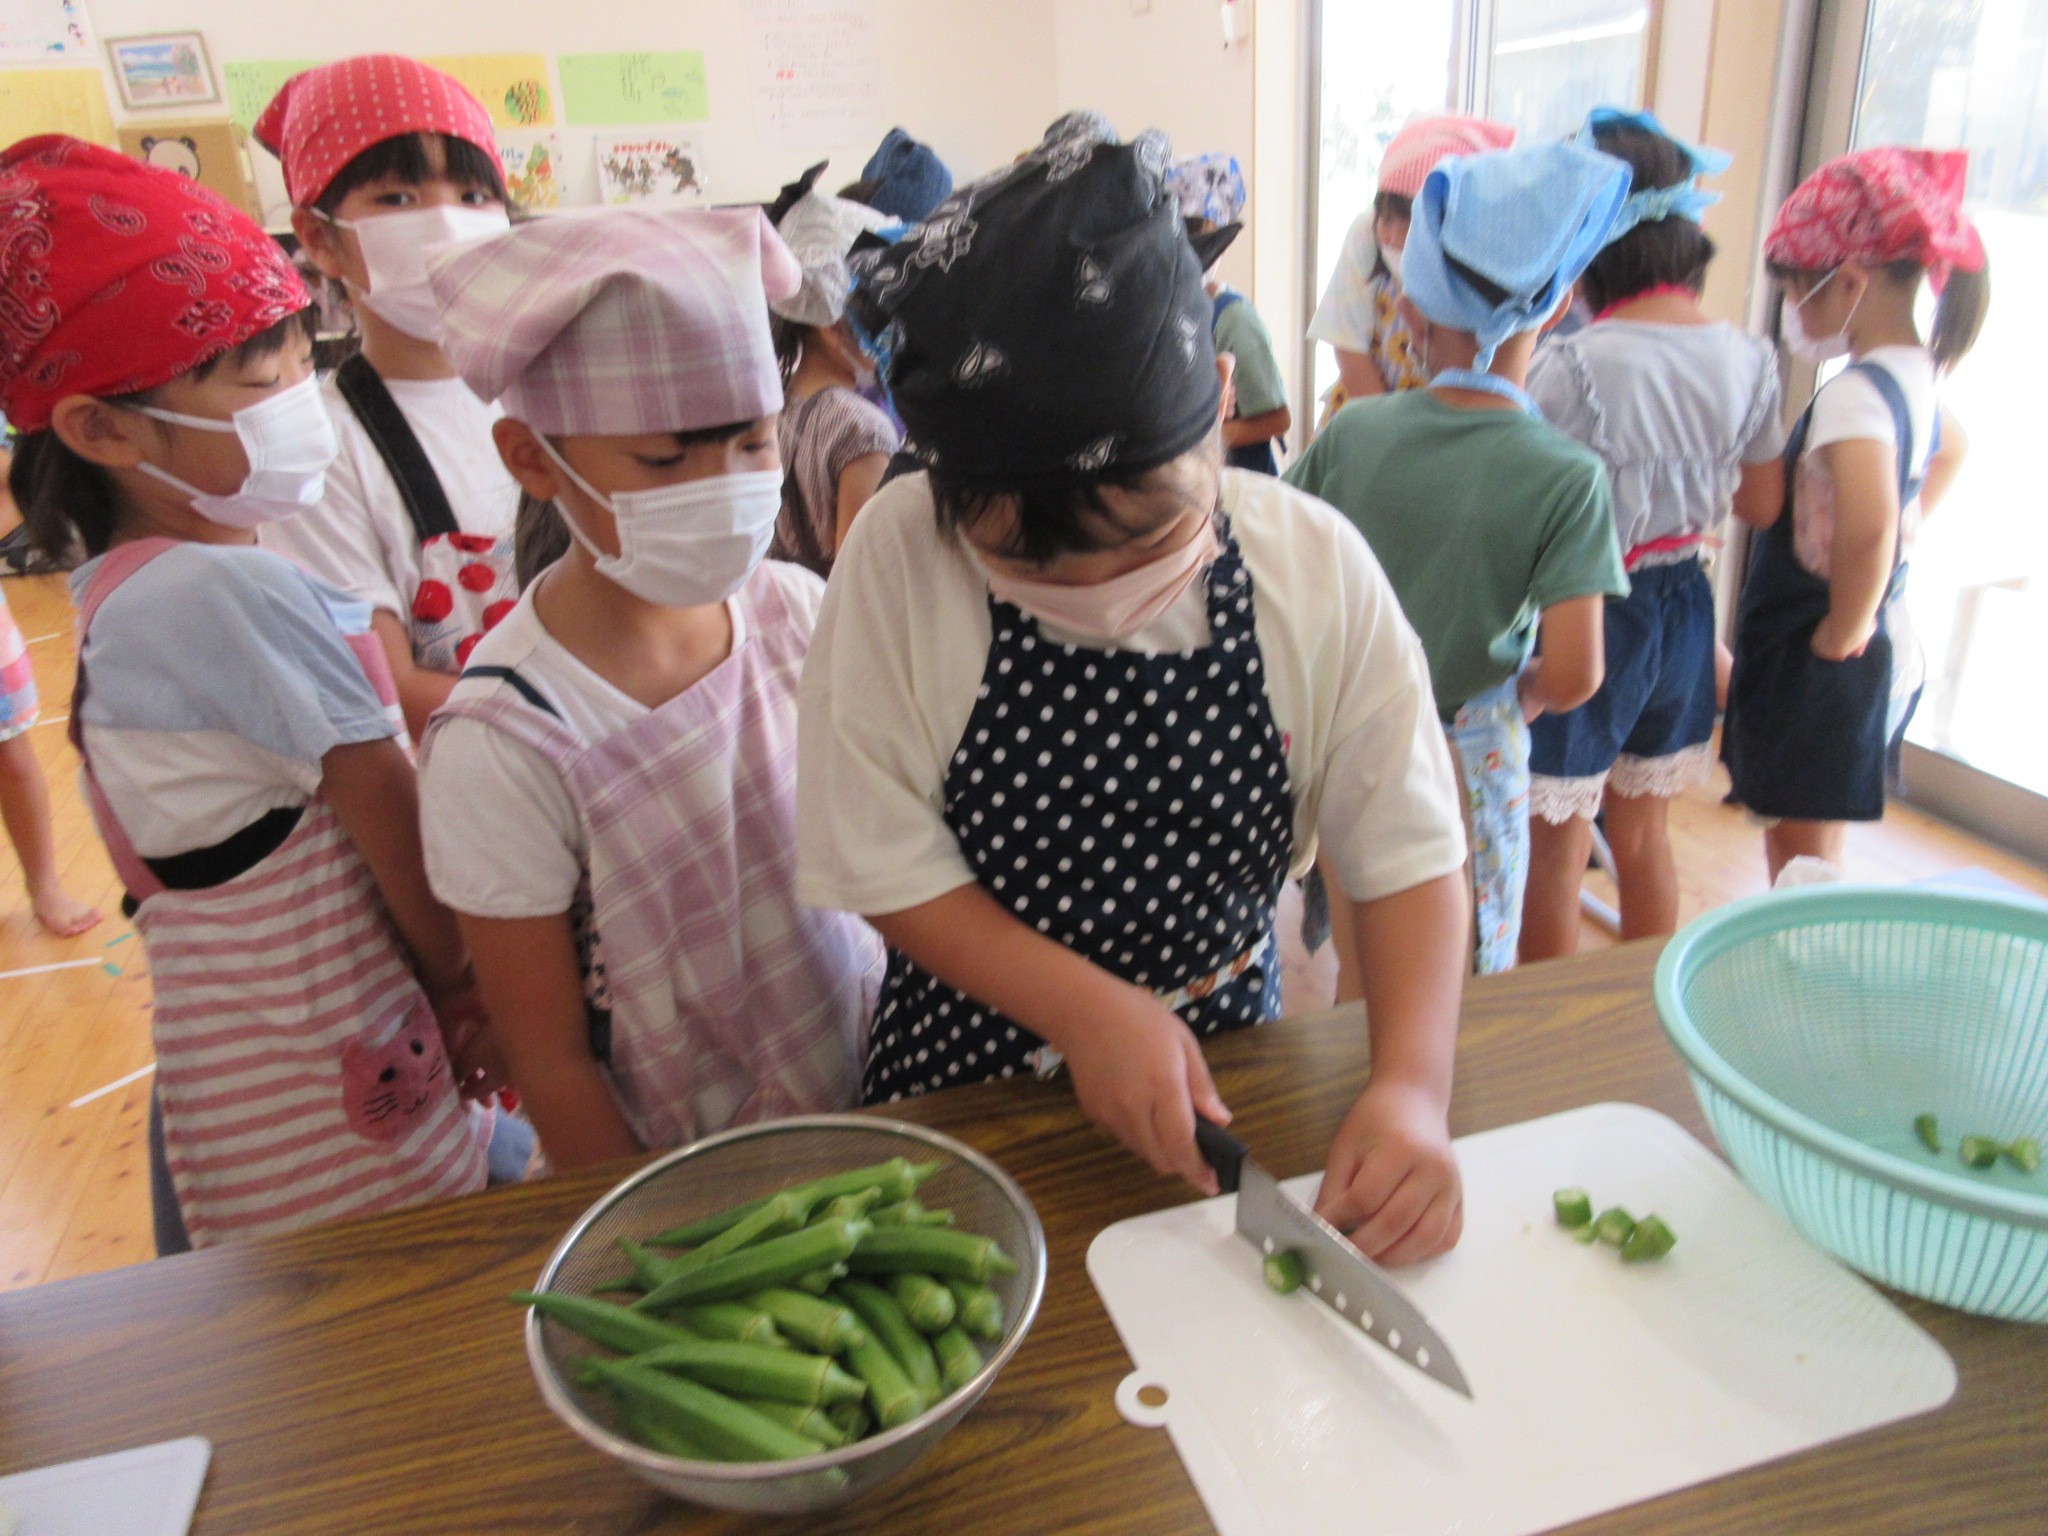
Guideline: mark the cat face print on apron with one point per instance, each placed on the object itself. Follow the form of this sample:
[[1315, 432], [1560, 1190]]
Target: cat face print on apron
[[1132, 807], [729, 1000], [299, 1066]]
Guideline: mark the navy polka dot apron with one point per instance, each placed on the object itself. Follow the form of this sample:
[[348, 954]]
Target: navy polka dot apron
[[1133, 807]]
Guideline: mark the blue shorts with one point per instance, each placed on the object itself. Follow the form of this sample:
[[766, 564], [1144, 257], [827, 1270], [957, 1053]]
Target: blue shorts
[[1649, 729]]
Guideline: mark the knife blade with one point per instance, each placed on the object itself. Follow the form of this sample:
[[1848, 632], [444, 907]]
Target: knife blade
[[1336, 1273]]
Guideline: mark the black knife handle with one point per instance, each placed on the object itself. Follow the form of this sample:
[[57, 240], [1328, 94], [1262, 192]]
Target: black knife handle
[[1221, 1151]]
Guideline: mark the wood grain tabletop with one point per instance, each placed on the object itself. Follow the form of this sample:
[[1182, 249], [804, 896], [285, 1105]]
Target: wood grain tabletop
[[369, 1378]]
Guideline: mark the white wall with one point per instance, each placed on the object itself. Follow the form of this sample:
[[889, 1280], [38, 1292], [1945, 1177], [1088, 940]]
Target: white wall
[[975, 78], [1157, 64]]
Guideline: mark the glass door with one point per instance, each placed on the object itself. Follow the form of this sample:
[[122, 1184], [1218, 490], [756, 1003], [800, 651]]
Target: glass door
[[1538, 64], [1973, 74]]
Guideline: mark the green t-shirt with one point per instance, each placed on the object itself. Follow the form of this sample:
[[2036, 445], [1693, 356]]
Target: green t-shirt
[[1241, 333], [1481, 518]]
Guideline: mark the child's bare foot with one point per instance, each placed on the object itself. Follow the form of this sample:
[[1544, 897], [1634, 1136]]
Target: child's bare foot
[[62, 913]]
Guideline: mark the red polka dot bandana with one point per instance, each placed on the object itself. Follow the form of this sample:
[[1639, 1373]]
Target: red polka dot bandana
[[116, 276], [325, 117], [1877, 206]]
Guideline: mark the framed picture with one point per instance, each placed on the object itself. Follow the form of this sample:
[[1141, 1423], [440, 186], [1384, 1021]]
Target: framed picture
[[165, 69]]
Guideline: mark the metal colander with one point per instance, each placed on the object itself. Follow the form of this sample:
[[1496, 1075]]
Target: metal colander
[[722, 1171]]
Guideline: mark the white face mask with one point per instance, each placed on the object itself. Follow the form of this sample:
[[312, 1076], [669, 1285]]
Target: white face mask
[[684, 545], [1809, 348], [1391, 255], [395, 248], [289, 440]]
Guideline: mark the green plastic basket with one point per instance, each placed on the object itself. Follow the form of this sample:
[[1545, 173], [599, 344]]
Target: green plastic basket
[[1818, 1023]]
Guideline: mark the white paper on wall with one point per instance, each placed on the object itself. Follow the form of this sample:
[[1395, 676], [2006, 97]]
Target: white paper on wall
[[33, 30], [818, 70]]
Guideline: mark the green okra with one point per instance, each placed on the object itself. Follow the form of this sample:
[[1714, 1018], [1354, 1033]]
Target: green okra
[[896, 1179], [979, 1310], [1649, 1238], [1574, 1207], [885, 1319], [909, 1213], [959, 1359], [890, 1392], [1613, 1226], [659, 1436], [811, 1321], [931, 1251], [649, 1268], [754, 1370], [1979, 1151], [726, 1428], [2025, 1154], [603, 1322], [774, 1262], [818, 1281], [928, 1304], [734, 1320], [1283, 1271], [854, 1418], [780, 1214], [1928, 1129], [812, 1422]]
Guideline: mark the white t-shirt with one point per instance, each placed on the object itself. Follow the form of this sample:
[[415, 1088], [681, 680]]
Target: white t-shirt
[[217, 679], [903, 640], [502, 833], [1848, 408], [360, 538]]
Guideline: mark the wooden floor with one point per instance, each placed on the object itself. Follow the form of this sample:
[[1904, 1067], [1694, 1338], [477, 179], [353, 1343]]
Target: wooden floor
[[74, 1194]]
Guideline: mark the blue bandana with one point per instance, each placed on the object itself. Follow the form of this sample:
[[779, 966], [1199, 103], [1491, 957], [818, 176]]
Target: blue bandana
[[1527, 221], [1684, 200]]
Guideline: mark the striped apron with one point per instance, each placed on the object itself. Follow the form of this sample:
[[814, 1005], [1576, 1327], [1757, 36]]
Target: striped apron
[[299, 1066]]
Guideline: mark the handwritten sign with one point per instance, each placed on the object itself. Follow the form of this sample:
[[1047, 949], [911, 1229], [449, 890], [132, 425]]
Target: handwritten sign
[[819, 70], [617, 89], [252, 83]]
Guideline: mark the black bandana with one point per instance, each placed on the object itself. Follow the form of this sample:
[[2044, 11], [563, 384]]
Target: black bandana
[[1048, 325]]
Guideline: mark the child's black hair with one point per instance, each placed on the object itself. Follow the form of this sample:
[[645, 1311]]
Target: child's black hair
[[1048, 521], [1667, 252], [69, 503], [404, 159], [1958, 314], [1390, 205], [540, 537], [790, 337]]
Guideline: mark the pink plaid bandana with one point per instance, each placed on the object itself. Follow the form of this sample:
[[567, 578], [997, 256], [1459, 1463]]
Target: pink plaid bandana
[[621, 320], [325, 117], [1877, 206], [1417, 148]]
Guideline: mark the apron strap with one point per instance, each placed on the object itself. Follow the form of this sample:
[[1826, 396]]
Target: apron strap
[[398, 446]]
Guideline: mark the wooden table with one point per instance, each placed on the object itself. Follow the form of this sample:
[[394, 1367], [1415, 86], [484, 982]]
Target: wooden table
[[368, 1378]]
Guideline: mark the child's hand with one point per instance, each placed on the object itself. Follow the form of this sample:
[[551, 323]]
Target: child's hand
[[1832, 642], [1140, 1076], [474, 1053], [1392, 1185], [1532, 707]]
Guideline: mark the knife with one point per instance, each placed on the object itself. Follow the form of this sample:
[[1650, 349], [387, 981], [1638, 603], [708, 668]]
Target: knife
[[1336, 1273]]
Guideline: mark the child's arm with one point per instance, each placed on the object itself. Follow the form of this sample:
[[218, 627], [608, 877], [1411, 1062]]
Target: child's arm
[[372, 790], [1574, 657], [1760, 494], [1243, 431], [1360, 374], [534, 986], [858, 483], [1946, 464], [1137, 1070], [420, 692], [1392, 1184], [1864, 472]]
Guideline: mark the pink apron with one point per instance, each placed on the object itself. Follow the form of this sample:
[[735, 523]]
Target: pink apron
[[730, 1001], [299, 1066]]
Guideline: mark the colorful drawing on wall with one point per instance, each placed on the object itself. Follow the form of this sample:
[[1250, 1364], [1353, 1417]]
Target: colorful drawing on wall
[[210, 153], [512, 86], [43, 30], [169, 69], [252, 82], [531, 163], [643, 167], [640, 89], [72, 101]]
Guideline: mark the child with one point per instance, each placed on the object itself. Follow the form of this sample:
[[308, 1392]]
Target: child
[[385, 159], [1080, 700], [239, 756], [835, 445], [24, 797], [609, 794], [1212, 198], [1360, 313], [1825, 680], [1491, 524], [1684, 413]]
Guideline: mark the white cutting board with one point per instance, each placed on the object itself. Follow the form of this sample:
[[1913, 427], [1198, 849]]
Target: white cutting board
[[1595, 1384], [149, 1491]]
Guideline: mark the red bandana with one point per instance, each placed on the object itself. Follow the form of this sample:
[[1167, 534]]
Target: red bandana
[[1877, 206], [116, 276], [324, 118]]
